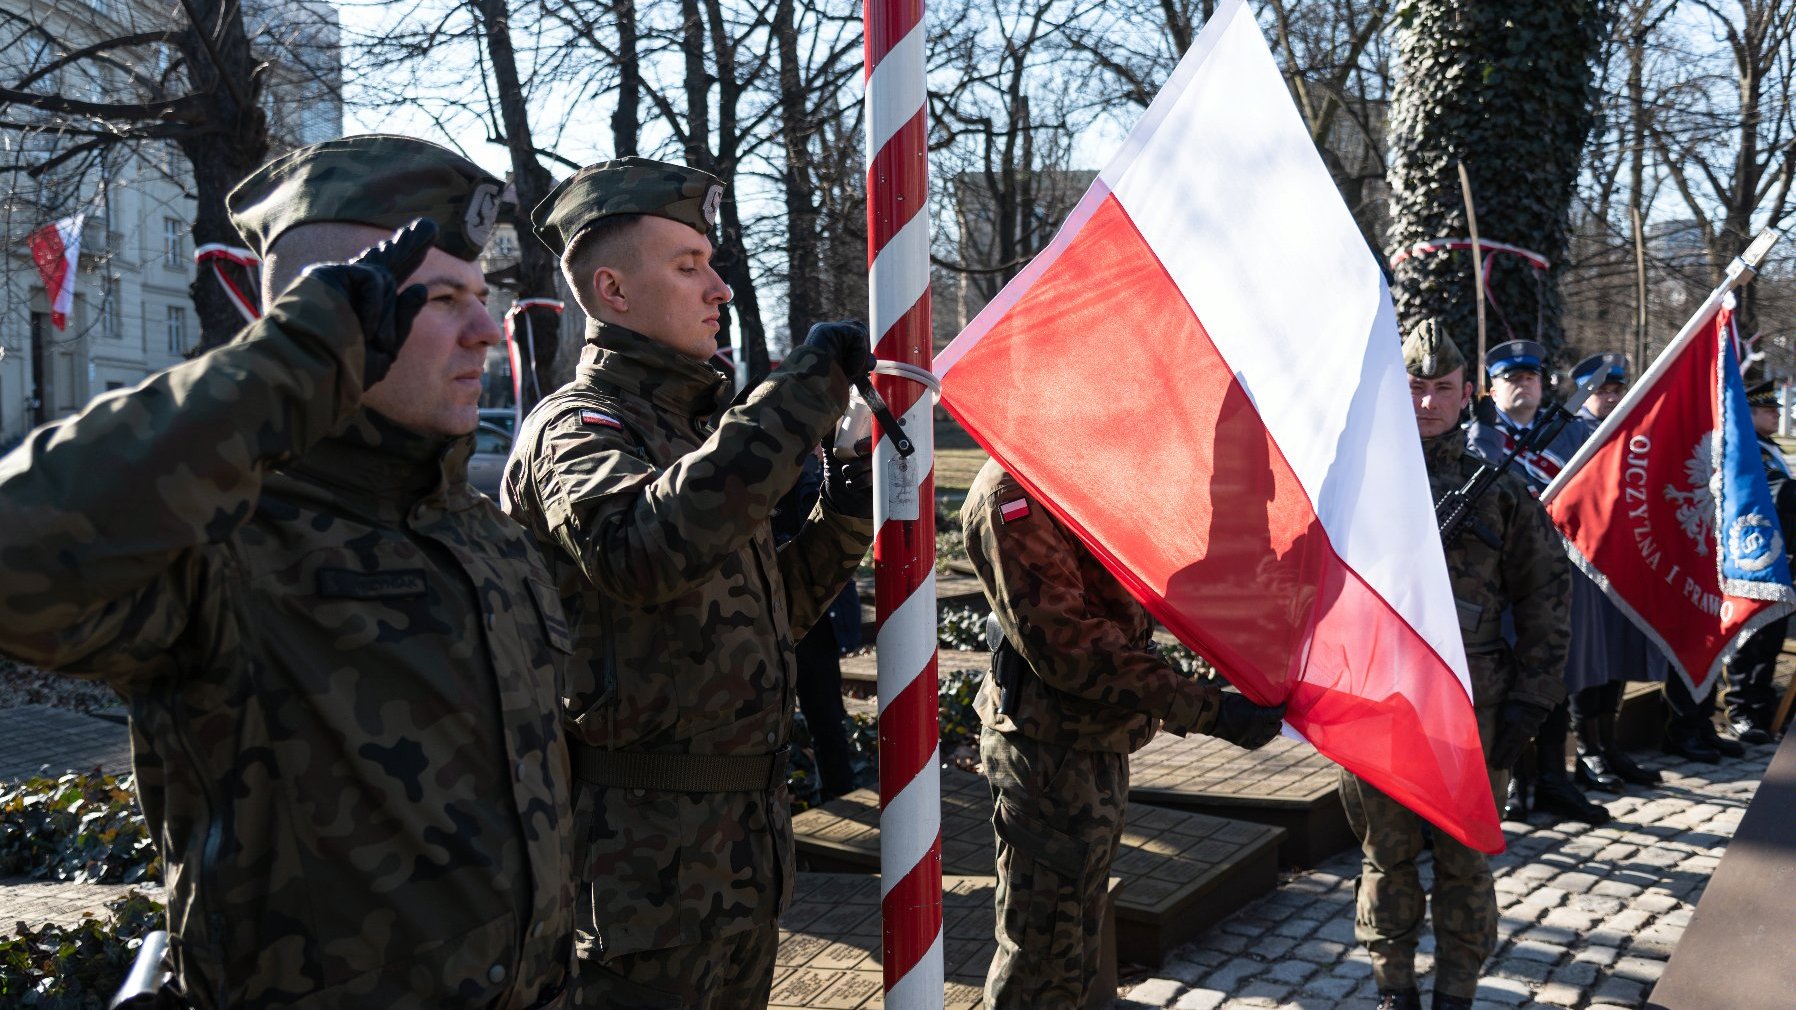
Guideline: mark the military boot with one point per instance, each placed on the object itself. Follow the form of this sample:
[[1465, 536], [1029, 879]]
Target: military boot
[[1554, 793], [1442, 1001], [1618, 759], [1593, 769], [1400, 999], [1515, 801]]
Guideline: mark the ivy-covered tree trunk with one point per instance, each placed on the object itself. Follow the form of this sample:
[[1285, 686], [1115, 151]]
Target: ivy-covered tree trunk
[[1505, 88]]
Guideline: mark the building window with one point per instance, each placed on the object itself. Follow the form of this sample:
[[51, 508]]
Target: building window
[[111, 320], [177, 330], [174, 243]]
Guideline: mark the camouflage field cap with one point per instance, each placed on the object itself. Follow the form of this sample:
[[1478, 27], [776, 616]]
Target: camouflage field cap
[[373, 179], [627, 186], [1428, 353]]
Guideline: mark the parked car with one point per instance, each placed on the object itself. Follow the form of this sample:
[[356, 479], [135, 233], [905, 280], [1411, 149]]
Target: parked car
[[486, 468]]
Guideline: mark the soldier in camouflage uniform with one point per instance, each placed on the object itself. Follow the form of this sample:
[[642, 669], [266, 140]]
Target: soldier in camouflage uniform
[[1076, 686], [341, 661], [680, 699], [1513, 689]]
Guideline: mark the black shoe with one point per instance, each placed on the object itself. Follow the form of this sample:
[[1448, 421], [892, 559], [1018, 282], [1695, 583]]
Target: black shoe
[[1515, 801], [1406, 999], [1628, 770], [1721, 744], [1593, 772], [1750, 732], [1442, 1001], [1692, 747], [1555, 794]]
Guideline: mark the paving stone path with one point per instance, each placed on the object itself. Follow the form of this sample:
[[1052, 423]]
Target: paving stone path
[[1589, 915]]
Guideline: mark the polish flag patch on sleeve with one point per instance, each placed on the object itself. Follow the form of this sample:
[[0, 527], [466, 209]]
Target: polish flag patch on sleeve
[[1011, 511], [602, 420]]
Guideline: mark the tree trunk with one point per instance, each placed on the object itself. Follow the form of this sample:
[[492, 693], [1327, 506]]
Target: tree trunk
[[537, 266], [1505, 88], [222, 71], [626, 120], [803, 291], [731, 256]]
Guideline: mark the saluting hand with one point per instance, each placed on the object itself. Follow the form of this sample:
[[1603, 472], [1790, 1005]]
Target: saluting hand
[[370, 282]]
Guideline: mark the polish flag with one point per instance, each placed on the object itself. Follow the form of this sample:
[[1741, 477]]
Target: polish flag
[[54, 248], [1202, 376], [1666, 508]]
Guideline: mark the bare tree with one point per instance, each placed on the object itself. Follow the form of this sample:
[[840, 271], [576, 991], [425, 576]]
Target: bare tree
[[1725, 131], [195, 84]]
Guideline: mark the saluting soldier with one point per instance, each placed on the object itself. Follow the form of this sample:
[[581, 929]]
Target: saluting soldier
[[1513, 688], [680, 700], [341, 660], [1076, 686], [1516, 370]]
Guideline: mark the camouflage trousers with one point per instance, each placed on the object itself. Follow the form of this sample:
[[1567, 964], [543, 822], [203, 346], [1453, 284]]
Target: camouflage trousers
[[1058, 814], [728, 973], [1388, 917]]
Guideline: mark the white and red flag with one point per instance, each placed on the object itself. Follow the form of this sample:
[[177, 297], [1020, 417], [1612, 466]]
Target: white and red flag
[[54, 248], [1202, 376], [1666, 506]]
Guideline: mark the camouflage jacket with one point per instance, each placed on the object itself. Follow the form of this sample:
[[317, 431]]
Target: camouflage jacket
[[1098, 682], [1529, 577], [341, 664], [685, 615]]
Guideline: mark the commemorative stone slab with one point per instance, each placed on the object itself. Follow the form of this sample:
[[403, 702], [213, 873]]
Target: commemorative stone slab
[[1181, 871], [1285, 784], [830, 944]]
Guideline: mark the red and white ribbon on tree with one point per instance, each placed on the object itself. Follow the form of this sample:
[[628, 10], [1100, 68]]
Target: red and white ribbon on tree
[[217, 254], [523, 359], [910, 786], [1490, 250]]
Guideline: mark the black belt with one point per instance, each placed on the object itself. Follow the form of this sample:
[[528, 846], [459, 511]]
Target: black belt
[[681, 773]]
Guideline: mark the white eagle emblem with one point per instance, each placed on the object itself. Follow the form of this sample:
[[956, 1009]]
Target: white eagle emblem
[[1696, 506], [1754, 543]]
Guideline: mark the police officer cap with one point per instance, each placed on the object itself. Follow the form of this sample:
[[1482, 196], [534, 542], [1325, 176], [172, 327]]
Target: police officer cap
[[1762, 394], [1514, 356], [1428, 353], [1617, 368], [626, 186], [374, 179]]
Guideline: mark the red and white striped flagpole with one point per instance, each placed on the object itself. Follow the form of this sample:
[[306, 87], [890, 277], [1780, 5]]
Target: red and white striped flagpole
[[910, 784]]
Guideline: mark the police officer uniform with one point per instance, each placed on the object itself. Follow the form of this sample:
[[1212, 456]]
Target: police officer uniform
[[1076, 686], [1513, 687], [1541, 784], [679, 703], [341, 661]]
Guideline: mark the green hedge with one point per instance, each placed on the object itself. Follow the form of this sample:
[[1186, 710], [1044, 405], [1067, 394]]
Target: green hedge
[[78, 827]]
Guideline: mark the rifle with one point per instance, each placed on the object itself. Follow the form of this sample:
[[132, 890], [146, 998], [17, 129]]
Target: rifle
[[1453, 513]]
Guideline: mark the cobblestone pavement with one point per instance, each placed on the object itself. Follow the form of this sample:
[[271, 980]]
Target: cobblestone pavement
[[1589, 915]]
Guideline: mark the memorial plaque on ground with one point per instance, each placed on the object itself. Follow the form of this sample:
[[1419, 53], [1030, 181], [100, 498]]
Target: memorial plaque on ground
[[1182, 872], [830, 954], [1286, 784]]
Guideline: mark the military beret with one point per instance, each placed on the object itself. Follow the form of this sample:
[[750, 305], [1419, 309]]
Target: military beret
[[1762, 394], [1616, 365], [374, 179], [626, 186], [1428, 353], [1513, 356]]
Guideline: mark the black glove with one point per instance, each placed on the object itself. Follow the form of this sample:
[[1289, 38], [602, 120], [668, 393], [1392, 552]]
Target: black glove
[[370, 282], [1517, 722], [846, 343], [848, 485], [1245, 724]]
